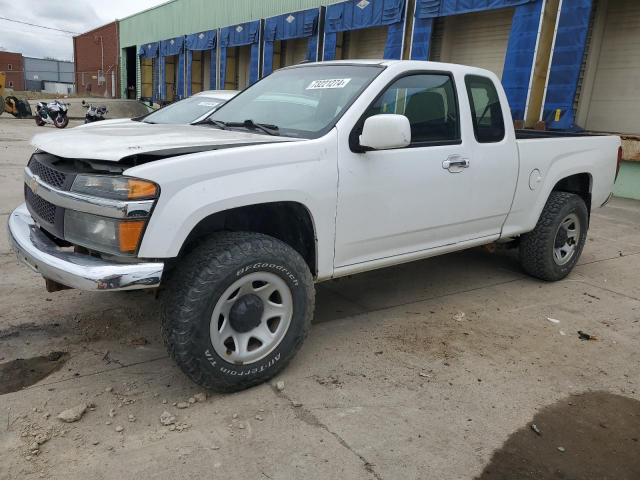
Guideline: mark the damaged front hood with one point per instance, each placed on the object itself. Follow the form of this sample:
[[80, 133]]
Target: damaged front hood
[[118, 141]]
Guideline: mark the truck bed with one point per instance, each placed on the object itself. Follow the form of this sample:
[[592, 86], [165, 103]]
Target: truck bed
[[527, 134]]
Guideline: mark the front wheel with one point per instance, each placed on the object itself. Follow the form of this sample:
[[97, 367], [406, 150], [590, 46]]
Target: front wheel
[[553, 248], [61, 121], [237, 309]]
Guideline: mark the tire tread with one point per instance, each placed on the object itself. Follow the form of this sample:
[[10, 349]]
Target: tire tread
[[189, 286]]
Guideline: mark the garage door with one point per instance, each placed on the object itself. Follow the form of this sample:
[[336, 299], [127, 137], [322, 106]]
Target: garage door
[[296, 50], [614, 103], [478, 39], [367, 43]]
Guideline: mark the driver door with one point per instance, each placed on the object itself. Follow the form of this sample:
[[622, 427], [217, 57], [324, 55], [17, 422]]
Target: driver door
[[402, 201]]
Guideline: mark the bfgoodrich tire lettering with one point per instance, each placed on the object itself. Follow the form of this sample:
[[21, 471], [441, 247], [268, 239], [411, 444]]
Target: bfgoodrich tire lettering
[[194, 289], [537, 247]]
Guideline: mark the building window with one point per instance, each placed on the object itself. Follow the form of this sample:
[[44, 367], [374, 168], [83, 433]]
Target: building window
[[10, 67], [10, 83]]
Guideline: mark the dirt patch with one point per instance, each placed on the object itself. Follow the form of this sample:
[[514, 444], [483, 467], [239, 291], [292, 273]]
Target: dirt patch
[[590, 436], [23, 372]]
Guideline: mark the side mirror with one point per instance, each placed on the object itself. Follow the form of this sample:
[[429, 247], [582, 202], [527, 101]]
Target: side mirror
[[385, 131]]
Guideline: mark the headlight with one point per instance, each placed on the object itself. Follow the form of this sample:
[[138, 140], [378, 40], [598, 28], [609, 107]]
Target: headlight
[[108, 235], [116, 188]]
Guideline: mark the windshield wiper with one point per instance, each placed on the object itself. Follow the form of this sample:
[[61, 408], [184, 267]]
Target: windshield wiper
[[208, 121], [251, 125]]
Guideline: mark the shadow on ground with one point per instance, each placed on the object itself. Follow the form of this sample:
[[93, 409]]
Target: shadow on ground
[[587, 437], [20, 373]]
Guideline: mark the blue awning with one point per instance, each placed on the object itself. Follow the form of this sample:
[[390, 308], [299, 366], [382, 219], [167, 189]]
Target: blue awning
[[292, 25], [441, 8], [149, 50], [201, 41], [566, 63], [355, 15], [302, 24], [172, 46], [236, 36]]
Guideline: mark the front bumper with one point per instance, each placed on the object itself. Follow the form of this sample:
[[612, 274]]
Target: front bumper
[[75, 270]]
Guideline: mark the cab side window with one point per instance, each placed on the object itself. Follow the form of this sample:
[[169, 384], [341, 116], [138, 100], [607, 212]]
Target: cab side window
[[428, 101], [486, 111]]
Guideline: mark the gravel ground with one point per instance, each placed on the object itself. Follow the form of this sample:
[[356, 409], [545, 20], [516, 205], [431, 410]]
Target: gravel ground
[[434, 370]]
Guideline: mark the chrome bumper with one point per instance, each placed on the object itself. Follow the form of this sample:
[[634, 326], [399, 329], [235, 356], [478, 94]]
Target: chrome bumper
[[75, 270]]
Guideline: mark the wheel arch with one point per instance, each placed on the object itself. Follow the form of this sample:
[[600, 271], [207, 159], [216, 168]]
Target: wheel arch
[[580, 184], [289, 221]]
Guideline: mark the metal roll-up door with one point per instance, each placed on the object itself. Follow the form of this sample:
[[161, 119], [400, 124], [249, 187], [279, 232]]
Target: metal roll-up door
[[146, 77], [614, 101], [367, 43], [478, 39], [296, 50], [435, 51]]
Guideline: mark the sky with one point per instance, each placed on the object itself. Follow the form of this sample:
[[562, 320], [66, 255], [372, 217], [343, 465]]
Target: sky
[[72, 15]]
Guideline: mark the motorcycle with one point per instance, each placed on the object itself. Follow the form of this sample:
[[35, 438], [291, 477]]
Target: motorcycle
[[53, 113], [94, 113]]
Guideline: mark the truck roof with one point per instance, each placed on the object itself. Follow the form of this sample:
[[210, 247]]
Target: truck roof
[[417, 64]]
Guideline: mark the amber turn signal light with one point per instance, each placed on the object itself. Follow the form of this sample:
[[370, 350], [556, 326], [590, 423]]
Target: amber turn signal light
[[129, 235]]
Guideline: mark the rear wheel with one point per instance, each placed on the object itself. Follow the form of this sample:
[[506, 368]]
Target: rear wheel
[[553, 248], [39, 121], [1, 105], [237, 309]]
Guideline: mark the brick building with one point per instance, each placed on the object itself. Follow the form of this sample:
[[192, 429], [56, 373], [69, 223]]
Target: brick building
[[97, 62], [13, 65]]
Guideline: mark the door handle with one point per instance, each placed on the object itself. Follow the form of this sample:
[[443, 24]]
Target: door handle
[[455, 164]]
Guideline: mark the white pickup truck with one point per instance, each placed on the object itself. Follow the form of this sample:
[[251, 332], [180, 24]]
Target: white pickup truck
[[316, 172]]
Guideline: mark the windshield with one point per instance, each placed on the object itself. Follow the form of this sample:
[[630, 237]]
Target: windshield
[[301, 102], [185, 111]]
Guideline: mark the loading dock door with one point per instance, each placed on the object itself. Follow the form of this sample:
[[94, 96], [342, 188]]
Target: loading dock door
[[146, 77], [478, 39], [196, 72], [149, 79], [172, 69], [238, 66], [240, 55], [613, 104], [295, 51], [200, 49], [367, 43]]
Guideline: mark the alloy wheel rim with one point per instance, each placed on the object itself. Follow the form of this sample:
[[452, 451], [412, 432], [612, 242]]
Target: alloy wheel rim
[[251, 318], [566, 239]]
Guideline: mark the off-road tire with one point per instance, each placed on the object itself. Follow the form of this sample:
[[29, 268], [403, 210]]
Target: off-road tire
[[193, 288], [536, 247], [1, 105]]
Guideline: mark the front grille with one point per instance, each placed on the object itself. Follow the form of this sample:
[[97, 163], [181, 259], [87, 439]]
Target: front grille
[[47, 174], [43, 209]]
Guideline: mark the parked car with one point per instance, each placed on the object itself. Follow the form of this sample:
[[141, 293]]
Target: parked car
[[189, 110], [316, 172]]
